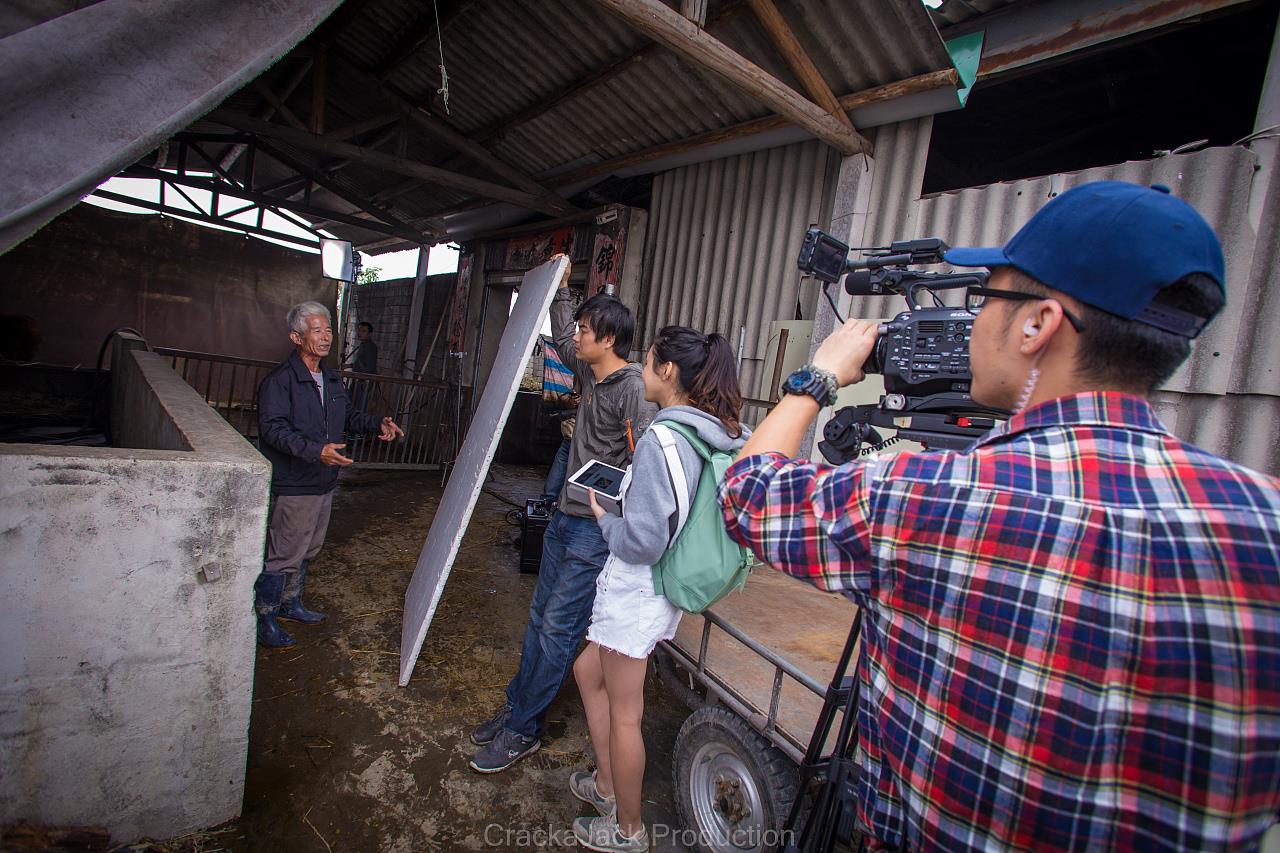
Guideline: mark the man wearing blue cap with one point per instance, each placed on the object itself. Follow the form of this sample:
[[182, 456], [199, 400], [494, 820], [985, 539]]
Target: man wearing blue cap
[[1072, 630]]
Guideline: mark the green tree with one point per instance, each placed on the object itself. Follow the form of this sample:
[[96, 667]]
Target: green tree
[[369, 275]]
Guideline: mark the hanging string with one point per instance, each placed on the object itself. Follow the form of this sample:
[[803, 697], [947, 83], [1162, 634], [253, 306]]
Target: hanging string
[[443, 91]]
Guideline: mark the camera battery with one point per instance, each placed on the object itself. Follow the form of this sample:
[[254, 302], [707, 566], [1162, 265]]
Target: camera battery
[[533, 523]]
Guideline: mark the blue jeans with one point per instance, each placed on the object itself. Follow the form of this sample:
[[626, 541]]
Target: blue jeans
[[573, 552], [558, 474]]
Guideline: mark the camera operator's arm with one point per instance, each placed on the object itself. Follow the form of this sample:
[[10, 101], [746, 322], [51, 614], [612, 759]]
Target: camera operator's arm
[[806, 519], [843, 353]]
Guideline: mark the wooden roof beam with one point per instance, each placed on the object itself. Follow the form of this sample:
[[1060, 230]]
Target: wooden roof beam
[[386, 162], [474, 151], [848, 103], [278, 104], [541, 106], [663, 24], [267, 111], [332, 167], [780, 32], [385, 213]]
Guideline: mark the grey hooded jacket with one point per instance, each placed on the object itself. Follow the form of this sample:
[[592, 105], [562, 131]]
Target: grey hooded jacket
[[641, 535], [612, 413]]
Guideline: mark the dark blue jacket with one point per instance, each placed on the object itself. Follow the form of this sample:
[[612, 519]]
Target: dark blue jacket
[[293, 427]]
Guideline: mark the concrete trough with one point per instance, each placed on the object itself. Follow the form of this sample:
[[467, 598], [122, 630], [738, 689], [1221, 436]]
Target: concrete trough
[[126, 622]]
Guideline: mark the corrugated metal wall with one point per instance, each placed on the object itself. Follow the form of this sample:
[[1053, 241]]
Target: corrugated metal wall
[[1225, 398], [722, 244]]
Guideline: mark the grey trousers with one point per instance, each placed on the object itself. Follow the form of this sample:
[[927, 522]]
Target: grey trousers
[[296, 530]]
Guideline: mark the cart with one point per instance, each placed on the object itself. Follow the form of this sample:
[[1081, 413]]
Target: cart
[[757, 670]]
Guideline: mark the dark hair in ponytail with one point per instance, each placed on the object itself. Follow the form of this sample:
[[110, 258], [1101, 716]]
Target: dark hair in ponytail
[[706, 372]]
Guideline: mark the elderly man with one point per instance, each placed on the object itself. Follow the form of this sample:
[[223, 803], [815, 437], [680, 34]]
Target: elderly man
[[303, 411]]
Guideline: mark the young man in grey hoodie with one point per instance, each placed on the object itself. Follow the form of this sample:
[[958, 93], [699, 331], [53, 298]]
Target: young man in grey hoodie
[[612, 413]]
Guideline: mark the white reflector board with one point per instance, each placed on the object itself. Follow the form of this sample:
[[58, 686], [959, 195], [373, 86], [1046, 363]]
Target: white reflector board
[[450, 522]]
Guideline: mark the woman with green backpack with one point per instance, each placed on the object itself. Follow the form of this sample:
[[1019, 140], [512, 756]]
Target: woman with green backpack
[[693, 379]]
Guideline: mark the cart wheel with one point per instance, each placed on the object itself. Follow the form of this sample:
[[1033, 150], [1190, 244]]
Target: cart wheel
[[733, 789]]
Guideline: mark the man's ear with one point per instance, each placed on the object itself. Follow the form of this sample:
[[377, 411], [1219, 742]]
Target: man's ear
[[606, 341], [1040, 325]]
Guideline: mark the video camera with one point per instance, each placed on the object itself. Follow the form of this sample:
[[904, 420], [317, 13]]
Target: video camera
[[923, 353]]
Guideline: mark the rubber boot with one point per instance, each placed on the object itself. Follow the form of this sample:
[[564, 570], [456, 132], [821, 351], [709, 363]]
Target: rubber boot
[[291, 606], [270, 587]]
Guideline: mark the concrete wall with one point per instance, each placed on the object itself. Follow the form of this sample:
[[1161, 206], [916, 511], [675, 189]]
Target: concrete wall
[[126, 623], [180, 285]]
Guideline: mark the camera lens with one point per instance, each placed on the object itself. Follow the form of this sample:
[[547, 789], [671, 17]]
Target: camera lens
[[875, 361]]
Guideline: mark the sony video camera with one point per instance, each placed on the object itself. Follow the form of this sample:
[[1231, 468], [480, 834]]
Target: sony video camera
[[923, 353]]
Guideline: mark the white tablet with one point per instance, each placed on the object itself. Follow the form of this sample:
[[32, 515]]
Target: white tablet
[[606, 480]]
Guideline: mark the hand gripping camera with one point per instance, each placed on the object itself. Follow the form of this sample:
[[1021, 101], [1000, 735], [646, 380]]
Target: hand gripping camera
[[923, 353]]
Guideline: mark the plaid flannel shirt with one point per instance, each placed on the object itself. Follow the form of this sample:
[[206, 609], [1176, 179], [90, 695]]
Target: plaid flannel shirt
[[1072, 631]]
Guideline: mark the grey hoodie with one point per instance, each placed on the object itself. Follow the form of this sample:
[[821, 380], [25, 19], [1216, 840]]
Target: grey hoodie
[[612, 413], [641, 534]]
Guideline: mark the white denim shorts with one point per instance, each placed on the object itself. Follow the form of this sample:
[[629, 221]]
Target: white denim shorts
[[628, 617]]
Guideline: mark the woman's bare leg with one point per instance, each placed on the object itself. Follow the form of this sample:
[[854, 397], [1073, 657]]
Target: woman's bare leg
[[595, 701], [624, 685]]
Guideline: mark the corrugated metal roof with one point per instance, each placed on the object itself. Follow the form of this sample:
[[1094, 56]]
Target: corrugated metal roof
[[722, 242], [504, 57], [1236, 360]]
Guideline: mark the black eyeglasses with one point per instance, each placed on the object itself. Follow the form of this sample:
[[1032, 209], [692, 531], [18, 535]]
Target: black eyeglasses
[[976, 297]]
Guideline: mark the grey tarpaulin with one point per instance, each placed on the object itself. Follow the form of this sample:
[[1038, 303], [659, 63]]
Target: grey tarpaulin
[[450, 522], [88, 93]]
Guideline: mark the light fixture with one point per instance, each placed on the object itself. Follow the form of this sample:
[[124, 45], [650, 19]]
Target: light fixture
[[338, 260]]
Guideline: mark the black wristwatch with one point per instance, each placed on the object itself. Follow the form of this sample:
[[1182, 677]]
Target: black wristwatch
[[819, 384]]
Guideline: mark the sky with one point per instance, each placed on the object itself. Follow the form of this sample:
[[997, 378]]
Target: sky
[[443, 258]]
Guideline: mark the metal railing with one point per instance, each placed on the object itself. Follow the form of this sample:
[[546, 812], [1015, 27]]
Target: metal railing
[[430, 412], [764, 722]]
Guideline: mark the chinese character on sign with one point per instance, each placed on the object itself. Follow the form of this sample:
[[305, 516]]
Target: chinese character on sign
[[604, 260]]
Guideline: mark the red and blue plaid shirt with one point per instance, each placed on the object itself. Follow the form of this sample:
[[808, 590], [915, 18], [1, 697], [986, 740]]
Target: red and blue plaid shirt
[[1072, 631]]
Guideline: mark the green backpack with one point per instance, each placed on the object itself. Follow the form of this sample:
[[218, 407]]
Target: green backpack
[[702, 565]]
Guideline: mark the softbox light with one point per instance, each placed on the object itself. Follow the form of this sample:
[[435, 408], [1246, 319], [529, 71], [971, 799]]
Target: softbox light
[[337, 260]]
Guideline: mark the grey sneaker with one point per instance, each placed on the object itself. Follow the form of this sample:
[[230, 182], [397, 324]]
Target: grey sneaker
[[488, 730], [505, 749], [583, 786], [603, 833]]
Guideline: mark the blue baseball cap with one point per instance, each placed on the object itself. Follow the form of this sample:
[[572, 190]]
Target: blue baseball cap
[[1112, 245]]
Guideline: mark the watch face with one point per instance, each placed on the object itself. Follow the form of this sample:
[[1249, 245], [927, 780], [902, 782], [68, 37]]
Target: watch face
[[800, 378]]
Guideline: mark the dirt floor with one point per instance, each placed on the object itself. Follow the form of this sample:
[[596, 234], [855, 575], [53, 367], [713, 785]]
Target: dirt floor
[[341, 758]]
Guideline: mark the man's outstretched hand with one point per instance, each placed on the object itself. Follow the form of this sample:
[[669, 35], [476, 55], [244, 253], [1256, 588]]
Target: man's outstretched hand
[[389, 431], [329, 455]]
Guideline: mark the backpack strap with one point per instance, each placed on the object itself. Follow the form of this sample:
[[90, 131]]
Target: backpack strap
[[691, 435], [679, 483]]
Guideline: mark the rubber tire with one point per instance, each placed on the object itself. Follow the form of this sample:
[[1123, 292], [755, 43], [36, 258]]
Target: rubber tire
[[773, 774]]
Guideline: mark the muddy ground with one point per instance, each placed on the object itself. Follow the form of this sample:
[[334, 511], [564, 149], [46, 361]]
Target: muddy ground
[[341, 758]]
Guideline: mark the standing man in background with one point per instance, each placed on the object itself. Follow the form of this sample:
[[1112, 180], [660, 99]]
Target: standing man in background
[[303, 413], [364, 358], [612, 413]]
